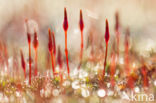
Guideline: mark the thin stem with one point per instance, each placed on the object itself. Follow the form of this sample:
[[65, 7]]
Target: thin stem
[[113, 66], [24, 74], [59, 61], [52, 62], [29, 63], [118, 39], [54, 56], [81, 51], [105, 62], [66, 53], [36, 62], [127, 59], [145, 80], [127, 52], [81, 54]]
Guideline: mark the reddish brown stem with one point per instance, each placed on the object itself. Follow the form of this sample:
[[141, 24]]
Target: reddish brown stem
[[66, 53], [145, 79], [59, 61], [59, 58], [52, 62], [117, 31], [127, 51], [113, 66], [130, 82], [35, 44], [105, 62], [35, 73], [118, 39], [6, 54], [30, 63], [81, 51], [54, 47], [81, 54]]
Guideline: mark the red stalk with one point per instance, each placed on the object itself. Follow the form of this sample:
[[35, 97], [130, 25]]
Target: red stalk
[[29, 44], [145, 79], [81, 24], [113, 66], [29, 62], [65, 27], [52, 62], [50, 46], [23, 63], [59, 58], [106, 41], [59, 61], [54, 46], [6, 53], [35, 44], [126, 51], [117, 31], [131, 81]]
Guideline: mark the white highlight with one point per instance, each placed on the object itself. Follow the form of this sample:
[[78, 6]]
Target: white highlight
[[75, 84], [55, 92], [155, 83], [121, 60], [85, 92], [137, 89], [101, 92]]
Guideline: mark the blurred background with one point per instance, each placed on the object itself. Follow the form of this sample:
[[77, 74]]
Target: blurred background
[[138, 15]]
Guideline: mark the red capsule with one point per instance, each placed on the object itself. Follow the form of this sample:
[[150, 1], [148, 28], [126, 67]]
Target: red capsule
[[28, 34], [107, 32], [54, 44], [50, 44], [81, 21], [29, 38], [65, 23], [117, 21], [22, 60], [35, 42]]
